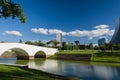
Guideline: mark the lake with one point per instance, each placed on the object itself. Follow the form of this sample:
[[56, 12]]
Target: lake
[[82, 70]]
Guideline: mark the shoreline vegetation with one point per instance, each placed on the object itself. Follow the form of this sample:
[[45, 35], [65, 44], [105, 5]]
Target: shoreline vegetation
[[20, 73], [97, 55]]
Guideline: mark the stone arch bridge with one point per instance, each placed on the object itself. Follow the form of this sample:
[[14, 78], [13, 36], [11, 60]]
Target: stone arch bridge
[[31, 50]]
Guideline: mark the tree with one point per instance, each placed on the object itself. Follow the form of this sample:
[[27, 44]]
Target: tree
[[48, 43], [75, 47], [37, 43], [106, 45], [96, 47], [77, 43], [10, 9], [91, 46], [29, 42], [54, 42]]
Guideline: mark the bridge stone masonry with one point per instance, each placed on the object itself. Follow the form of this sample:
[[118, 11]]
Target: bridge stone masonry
[[31, 50]]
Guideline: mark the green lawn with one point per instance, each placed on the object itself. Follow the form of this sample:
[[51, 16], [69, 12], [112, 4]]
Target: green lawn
[[77, 51], [97, 56], [16, 73], [106, 59]]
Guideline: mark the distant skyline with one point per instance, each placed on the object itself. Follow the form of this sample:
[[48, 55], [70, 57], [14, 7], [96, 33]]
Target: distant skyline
[[83, 20]]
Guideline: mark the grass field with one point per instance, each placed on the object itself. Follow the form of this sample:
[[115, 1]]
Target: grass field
[[97, 56], [111, 59], [77, 51], [16, 73]]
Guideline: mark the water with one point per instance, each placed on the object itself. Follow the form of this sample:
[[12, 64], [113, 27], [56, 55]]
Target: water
[[82, 70]]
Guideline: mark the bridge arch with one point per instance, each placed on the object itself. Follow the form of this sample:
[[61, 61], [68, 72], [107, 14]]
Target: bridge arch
[[19, 53], [31, 50], [40, 54]]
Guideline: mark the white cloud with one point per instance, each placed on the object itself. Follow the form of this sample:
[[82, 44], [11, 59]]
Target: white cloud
[[47, 31], [78, 33], [110, 32], [55, 31], [99, 30], [40, 30], [104, 26], [16, 33]]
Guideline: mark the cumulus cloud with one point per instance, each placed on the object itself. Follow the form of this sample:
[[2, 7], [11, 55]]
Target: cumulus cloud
[[104, 26], [110, 32], [98, 31], [40, 30], [78, 33], [15, 33], [47, 31], [55, 31]]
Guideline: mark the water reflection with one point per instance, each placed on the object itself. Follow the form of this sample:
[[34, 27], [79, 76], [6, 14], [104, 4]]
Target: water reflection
[[23, 62], [78, 69], [50, 66], [90, 72], [8, 60]]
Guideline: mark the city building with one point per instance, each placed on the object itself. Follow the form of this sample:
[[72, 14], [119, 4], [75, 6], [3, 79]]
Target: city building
[[101, 42], [77, 43], [63, 44], [116, 37], [59, 38], [66, 43]]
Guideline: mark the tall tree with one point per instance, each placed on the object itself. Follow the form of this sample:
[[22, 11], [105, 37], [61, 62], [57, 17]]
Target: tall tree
[[10, 9]]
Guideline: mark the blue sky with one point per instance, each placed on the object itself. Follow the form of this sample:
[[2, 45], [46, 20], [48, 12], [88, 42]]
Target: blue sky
[[83, 20]]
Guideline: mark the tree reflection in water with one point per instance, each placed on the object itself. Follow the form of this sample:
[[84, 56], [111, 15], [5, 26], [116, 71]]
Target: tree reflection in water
[[86, 71]]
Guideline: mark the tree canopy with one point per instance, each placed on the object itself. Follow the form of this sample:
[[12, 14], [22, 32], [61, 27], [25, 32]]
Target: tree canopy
[[10, 9], [54, 42], [37, 43]]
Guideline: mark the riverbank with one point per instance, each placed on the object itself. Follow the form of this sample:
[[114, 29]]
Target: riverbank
[[19, 73], [89, 55], [107, 56]]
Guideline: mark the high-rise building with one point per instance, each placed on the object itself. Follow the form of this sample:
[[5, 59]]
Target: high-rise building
[[77, 43], [59, 38], [101, 42], [66, 43], [116, 37]]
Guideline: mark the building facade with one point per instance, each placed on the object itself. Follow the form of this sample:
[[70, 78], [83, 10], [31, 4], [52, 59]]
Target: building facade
[[101, 42], [59, 38], [116, 37]]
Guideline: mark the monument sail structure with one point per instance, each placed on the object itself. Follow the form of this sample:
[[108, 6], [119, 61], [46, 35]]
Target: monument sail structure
[[116, 37]]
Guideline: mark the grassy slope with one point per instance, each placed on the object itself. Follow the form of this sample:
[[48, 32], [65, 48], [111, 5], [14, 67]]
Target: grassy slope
[[16, 73]]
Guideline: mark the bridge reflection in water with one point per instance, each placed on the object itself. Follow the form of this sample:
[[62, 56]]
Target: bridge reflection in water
[[83, 70]]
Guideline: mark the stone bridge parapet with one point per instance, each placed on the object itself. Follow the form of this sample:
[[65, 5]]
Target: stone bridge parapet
[[31, 50]]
